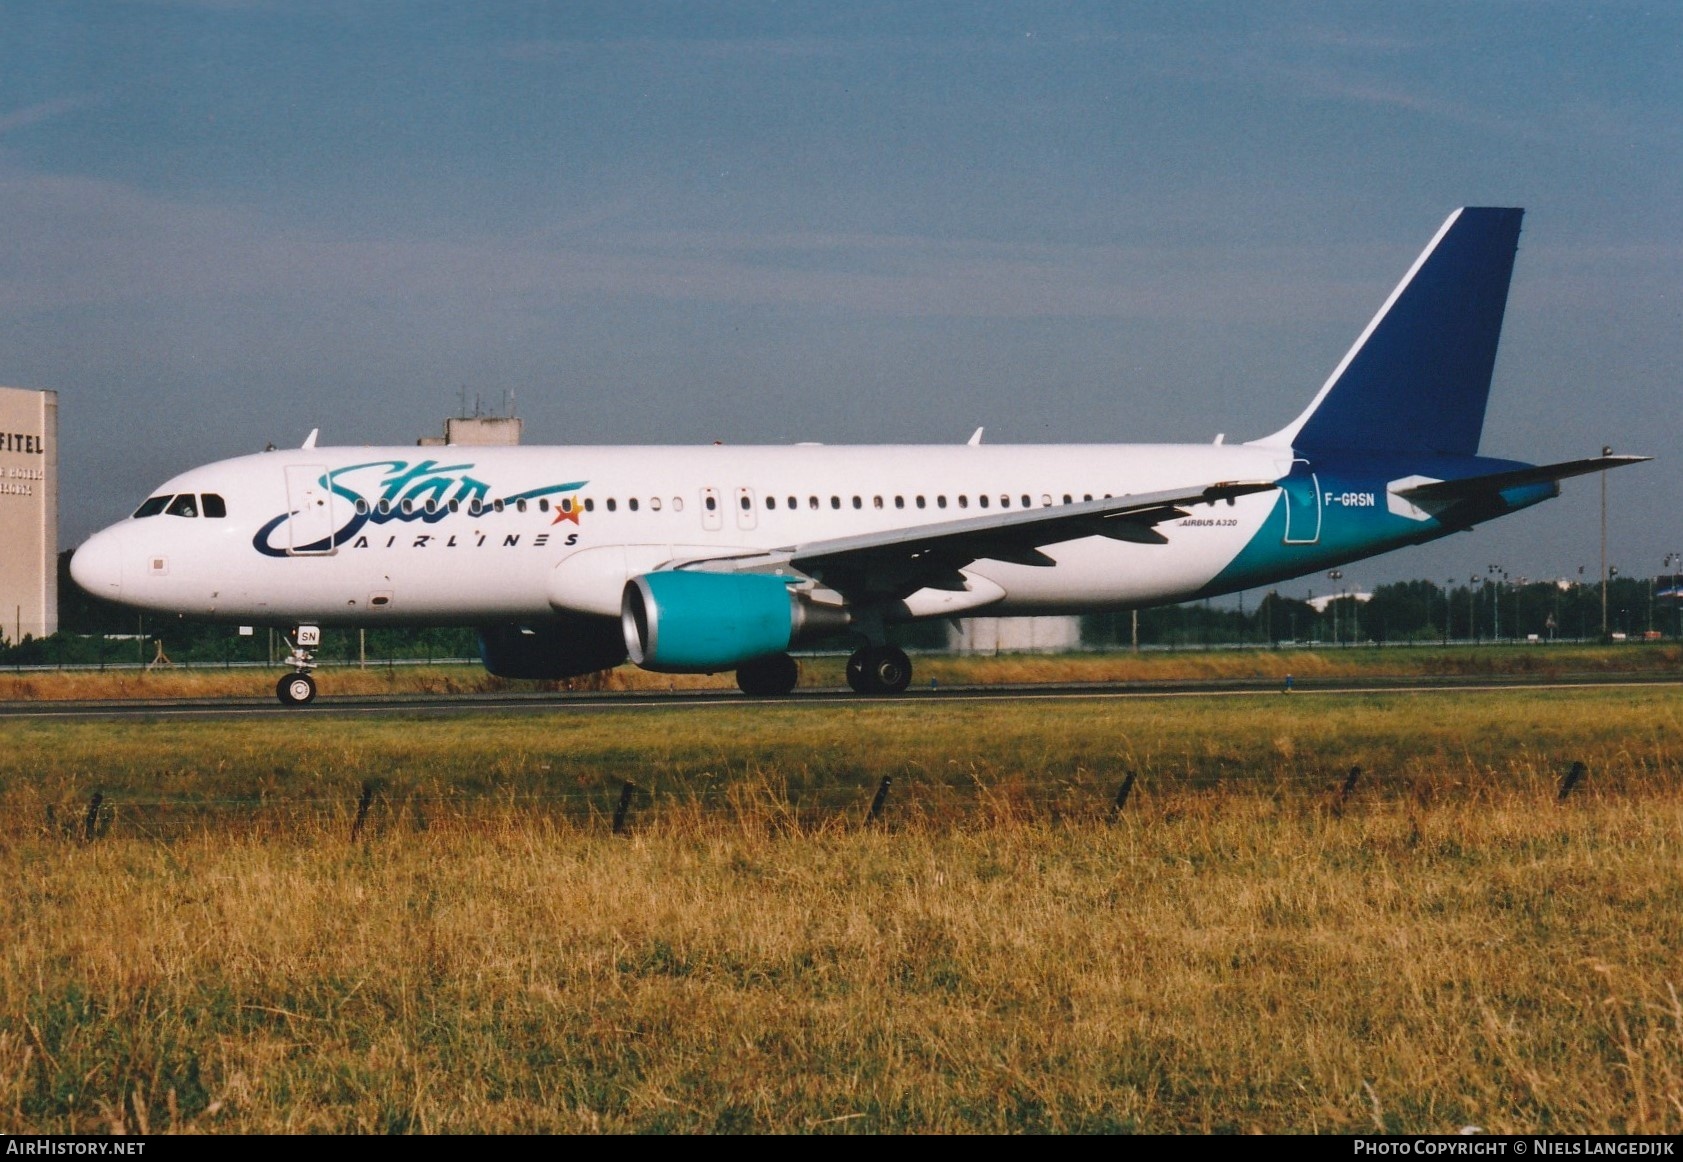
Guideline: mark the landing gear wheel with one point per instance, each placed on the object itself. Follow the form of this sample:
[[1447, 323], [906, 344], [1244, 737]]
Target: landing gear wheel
[[770, 677], [858, 673], [892, 670], [296, 690], [879, 670]]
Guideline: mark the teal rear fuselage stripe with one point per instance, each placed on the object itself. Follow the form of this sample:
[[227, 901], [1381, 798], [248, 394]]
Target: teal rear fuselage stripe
[[1356, 520]]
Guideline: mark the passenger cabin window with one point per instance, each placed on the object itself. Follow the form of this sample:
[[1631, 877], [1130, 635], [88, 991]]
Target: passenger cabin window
[[920, 502], [361, 506], [183, 505], [543, 506], [857, 503], [835, 502], [590, 504], [940, 502], [677, 504], [982, 500], [612, 504], [632, 504], [963, 501], [152, 506], [654, 503]]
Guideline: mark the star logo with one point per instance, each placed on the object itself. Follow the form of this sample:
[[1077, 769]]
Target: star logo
[[567, 508]]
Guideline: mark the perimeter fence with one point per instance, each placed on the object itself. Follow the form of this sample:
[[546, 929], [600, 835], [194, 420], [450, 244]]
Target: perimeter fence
[[372, 809]]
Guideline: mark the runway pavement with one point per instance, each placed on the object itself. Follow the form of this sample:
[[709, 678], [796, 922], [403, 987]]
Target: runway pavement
[[446, 705]]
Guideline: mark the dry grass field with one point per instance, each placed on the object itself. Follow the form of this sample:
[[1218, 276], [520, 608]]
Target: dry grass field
[[1241, 947]]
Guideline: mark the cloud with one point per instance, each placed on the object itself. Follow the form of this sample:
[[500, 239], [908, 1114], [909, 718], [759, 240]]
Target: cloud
[[85, 243], [41, 111]]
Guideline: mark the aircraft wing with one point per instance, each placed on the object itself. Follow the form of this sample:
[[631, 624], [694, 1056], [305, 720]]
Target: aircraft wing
[[895, 563]]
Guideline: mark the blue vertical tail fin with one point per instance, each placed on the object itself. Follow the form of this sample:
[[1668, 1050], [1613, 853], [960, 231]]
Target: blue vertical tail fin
[[1418, 378]]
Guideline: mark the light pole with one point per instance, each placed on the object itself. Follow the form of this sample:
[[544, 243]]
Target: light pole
[[1334, 575], [1495, 602], [1448, 609], [1606, 450], [1672, 561]]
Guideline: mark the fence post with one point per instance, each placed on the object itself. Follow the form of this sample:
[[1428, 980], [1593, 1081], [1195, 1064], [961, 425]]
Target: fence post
[[624, 806], [362, 810], [1572, 779], [1122, 795], [92, 821], [1350, 784], [880, 799]]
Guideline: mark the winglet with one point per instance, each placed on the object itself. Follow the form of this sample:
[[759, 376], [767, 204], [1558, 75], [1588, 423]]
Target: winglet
[[975, 438], [310, 440]]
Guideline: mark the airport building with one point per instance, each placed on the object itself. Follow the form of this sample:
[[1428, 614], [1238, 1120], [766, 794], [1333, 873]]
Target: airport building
[[28, 514], [495, 431], [1014, 635]]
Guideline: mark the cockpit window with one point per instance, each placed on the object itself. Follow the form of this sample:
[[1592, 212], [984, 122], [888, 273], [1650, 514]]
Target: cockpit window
[[152, 507], [213, 505], [184, 505]]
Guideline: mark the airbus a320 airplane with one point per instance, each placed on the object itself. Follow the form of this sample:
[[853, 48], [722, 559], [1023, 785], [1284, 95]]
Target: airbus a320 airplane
[[570, 560]]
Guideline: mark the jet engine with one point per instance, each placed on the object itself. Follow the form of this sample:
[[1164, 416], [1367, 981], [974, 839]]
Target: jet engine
[[552, 649], [677, 621]]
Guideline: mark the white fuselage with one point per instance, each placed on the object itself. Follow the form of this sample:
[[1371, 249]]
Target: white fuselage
[[591, 517]]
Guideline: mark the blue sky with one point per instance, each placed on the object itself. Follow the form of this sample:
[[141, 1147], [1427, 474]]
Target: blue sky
[[228, 223]]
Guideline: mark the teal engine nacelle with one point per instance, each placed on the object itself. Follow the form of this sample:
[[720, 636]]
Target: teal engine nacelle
[[680, 622]]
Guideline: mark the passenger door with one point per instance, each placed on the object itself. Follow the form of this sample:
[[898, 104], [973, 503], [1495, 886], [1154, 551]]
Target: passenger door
[[311, 525]]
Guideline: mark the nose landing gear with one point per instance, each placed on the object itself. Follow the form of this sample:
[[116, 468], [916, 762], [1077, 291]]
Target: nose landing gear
[[298, 688]]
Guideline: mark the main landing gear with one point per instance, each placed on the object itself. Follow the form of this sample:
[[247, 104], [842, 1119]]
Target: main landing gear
[[870, 670], [298, 688], [879, 670], [770, 677]]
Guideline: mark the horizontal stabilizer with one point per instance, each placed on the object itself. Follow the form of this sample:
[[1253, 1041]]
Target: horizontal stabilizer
[[1473, 487]]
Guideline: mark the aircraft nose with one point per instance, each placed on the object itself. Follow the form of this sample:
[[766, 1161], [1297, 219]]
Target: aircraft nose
[[97, 566]]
